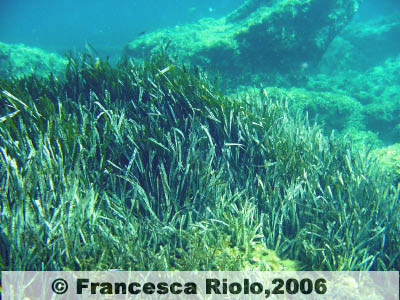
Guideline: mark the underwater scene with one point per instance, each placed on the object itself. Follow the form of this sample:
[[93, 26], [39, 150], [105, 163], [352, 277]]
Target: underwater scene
[[200, 135]]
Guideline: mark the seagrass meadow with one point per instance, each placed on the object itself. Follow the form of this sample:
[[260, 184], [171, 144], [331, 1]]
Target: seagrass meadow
[[147, 166]]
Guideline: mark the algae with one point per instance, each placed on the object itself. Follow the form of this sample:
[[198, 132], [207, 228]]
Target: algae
[[257, 37], [19, 60]]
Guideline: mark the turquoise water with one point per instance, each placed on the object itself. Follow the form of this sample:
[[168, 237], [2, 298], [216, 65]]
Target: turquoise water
[[108, 25], [370, 8]]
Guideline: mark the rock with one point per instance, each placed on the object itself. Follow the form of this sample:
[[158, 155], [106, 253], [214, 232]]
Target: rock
[[363, 45], [377, 89], [377, 39], [332, 111], [18, 60], [260, 36], [389, 159]]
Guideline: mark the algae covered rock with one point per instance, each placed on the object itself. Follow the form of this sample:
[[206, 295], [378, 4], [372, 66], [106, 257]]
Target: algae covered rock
[[376, 39], [363, 45], [389, 158], [258, 36], [19, 60], [333, 111], [256, 258], [378, 91]]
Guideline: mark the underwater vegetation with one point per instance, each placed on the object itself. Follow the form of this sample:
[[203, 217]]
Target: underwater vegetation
[[149, 167], [333, 111], [354, 89], [343, 73]]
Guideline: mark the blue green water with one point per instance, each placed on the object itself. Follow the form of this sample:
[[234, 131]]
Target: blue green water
[[371, 8], [109, 25], [106, 24]]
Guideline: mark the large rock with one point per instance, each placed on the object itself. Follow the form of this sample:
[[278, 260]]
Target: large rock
[[363, 45], [375, 40], [17, 60], [259, 36]]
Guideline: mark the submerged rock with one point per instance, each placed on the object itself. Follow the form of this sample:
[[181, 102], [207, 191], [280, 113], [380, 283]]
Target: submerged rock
[[256, 257], [377, 89], [389, 158], [363, 45], [259, 36], [18, 60]]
